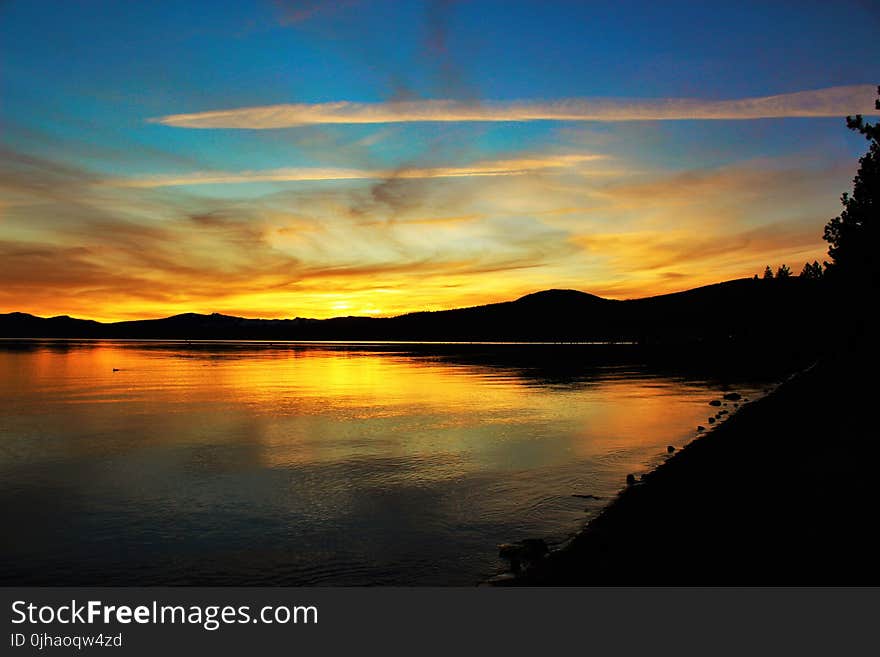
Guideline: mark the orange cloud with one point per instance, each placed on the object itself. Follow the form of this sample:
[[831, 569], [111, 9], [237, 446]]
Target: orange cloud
[[73, 245]]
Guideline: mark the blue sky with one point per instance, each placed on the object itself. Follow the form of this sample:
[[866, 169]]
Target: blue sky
[[114, 169]]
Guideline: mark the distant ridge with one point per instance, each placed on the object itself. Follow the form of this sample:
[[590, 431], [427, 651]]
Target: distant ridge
[[734, 310]]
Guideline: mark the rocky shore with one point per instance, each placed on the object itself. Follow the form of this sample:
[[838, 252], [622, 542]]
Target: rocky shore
[[783, 492]]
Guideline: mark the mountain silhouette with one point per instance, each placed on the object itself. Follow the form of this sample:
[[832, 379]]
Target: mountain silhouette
[[738, 310]]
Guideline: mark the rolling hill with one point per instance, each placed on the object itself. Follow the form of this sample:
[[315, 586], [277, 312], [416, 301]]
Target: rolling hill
[[742, 309]]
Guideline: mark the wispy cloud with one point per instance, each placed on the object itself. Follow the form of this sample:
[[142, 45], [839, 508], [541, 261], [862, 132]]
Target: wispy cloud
[[829, 102], [314, 174]]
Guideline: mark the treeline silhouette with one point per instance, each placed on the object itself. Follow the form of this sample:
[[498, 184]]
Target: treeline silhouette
[[812, 270]]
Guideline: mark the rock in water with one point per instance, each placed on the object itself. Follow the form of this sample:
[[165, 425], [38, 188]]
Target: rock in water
[[715, 402], [524, 554], [733, 396], [670, 449]]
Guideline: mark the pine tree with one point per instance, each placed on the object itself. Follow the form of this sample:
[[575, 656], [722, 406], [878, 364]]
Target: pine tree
[[852, 235], [812, 271]]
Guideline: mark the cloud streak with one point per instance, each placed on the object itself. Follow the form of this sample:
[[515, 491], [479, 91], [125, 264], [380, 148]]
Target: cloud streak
[[828, 102], [315, 174]]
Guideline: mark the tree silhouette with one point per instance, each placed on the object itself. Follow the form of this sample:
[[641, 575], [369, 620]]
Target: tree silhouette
[[852, 236], [783, 272], [812, 271], [768, 273]]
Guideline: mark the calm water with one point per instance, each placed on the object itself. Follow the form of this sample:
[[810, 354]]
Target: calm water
[[310, 464]]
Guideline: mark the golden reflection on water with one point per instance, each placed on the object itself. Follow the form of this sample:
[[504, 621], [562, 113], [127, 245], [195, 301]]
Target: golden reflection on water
[[314, 404], [316, 440]]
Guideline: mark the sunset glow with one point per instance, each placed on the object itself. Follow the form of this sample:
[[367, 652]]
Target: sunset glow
[[290, 159]]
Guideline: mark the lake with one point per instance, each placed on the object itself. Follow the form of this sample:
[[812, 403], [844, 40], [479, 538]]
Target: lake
[[246, 463]]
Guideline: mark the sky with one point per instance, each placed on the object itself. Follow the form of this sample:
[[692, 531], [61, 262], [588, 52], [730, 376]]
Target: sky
[[374, 157]]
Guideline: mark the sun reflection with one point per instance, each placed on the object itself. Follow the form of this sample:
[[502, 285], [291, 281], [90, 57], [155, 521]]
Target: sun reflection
[[317, 404]]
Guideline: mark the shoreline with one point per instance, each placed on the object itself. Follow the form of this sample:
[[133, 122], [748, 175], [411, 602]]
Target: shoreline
[[779, 493]]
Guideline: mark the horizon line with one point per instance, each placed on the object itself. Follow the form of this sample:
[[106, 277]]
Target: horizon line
[[412, 312]]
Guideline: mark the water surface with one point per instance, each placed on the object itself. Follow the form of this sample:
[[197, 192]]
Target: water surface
[[242, 463]]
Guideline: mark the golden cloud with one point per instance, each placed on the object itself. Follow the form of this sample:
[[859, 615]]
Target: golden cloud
[[72, 245]]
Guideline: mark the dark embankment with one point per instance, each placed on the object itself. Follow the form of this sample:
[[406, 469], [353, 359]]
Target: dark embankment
[[785, 492]]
